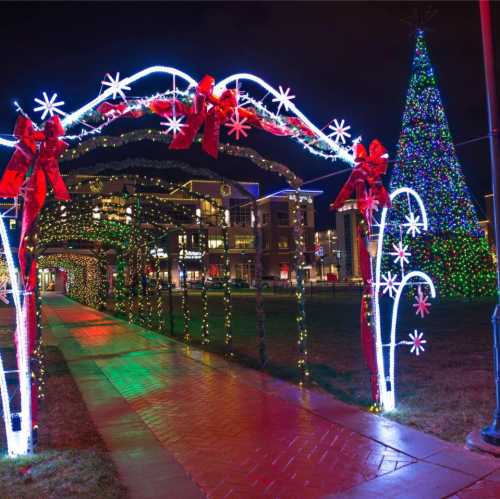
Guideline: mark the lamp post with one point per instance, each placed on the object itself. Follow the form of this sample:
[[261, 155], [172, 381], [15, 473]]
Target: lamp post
[[491, 433]]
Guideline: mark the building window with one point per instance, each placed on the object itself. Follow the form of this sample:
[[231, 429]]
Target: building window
[[348, 245], [12, 223], [208, 208], [266, 243], [244, 242], [265, 218], [284, 270], [215, 242], [245, 271], [283, 242], [240, 211], [309, 240], [215, 270], [283, 218]]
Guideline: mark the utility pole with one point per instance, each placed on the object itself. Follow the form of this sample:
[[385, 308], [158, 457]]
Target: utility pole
[[491, 433]]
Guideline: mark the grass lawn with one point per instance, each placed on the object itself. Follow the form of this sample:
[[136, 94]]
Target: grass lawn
[[71, 460], [447, 391]]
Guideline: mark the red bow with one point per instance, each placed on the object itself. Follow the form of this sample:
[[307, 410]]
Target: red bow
[[366, 180], [45, 157], [212, 119]]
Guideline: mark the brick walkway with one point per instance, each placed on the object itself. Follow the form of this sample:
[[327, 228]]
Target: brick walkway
[[181, 423]]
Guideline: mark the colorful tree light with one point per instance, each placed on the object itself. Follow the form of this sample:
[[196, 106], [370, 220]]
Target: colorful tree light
[[427, 162]]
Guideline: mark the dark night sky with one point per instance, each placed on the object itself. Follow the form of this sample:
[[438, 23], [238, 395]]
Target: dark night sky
[[347, 60]]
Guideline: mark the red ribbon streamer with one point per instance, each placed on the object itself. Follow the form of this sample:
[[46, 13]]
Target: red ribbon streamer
[[39, 150], [367, 340]]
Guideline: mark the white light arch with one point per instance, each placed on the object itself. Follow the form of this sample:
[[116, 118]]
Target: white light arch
[[71, 118]]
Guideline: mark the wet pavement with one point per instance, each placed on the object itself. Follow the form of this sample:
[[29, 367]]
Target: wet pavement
[[180, 423]]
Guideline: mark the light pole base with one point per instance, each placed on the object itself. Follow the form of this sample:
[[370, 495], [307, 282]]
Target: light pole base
[[491, 434], [476, 442]]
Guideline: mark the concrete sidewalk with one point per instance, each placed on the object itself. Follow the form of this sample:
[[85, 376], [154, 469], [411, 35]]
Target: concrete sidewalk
[[180, 423]]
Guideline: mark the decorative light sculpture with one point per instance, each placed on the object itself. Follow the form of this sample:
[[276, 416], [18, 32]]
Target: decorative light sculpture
[[380, 286]]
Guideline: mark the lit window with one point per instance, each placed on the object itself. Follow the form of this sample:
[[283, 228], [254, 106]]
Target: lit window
[[215, 242], [242, 242], [283, 242], [12, 223]]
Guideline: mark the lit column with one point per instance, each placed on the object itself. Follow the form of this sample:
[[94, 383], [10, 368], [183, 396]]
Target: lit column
[[298, 230], [259, 305], [202, 239], [228, 331], [185, 306]]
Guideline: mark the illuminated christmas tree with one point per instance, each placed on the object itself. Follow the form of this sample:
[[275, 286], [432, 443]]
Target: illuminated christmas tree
[[455, 253]]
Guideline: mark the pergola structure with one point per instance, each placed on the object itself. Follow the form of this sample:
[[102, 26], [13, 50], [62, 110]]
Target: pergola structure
[[188, 107]]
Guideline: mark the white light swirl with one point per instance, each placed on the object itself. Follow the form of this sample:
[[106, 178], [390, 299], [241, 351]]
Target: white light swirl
[[70, 118], [19, 443], [387, 399], [340, 151]]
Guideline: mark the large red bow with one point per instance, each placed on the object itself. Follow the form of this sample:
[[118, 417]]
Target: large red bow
[[221, 108], [366, 180], [42, 158]]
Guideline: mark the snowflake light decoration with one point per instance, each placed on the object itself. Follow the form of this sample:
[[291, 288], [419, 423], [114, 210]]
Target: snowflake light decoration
[[237, 126], [370, 202], [421, 306], [117, 86], [401, 253], [417, 342], [413, 224], [339, 133], [390, 284], [174, 125], [49, 106], [284, 99]]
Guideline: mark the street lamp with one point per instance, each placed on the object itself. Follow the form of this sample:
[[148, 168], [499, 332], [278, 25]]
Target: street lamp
[[491, 433]]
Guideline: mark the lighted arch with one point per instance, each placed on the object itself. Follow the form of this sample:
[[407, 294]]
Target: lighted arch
[[338, 151]]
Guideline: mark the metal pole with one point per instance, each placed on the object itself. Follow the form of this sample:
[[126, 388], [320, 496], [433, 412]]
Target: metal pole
[[491, 433]]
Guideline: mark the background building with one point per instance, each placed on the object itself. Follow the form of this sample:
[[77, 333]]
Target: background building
[[203, 216], [327, 255], [346, 223], [278, 241]]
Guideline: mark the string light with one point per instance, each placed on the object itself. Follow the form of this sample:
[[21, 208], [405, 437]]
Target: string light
[[298, 225], [453, 252]]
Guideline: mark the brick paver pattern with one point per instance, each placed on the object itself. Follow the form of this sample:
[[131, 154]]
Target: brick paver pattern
[[233, 439]]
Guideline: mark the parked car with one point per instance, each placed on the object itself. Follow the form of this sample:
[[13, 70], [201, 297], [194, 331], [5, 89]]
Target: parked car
[[164, 285], [239, 283], [269, 281], [195, 284], [215, 284]]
